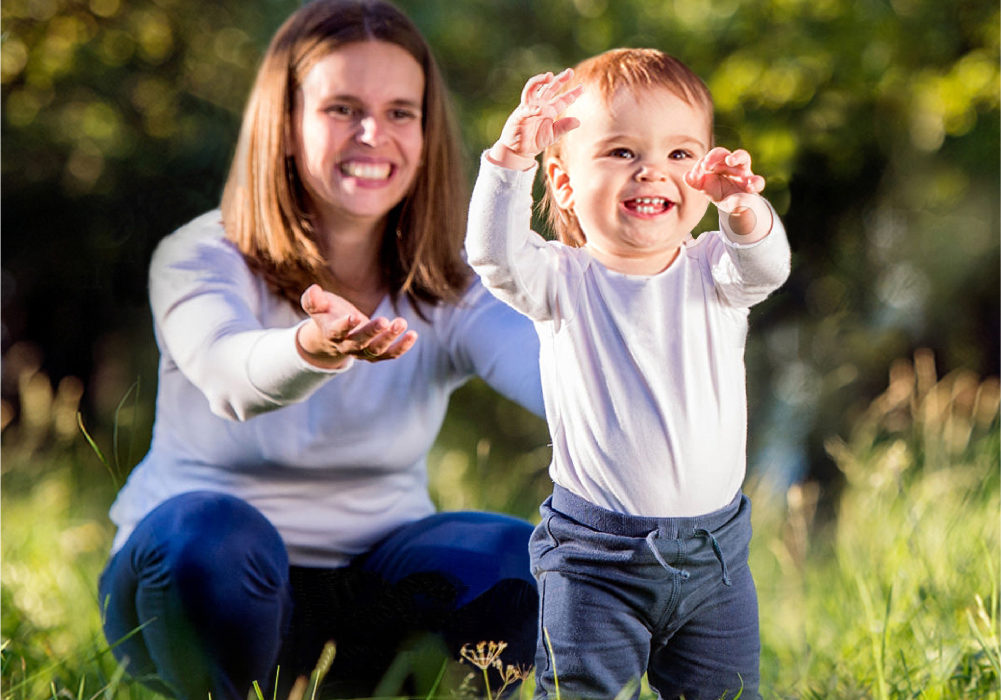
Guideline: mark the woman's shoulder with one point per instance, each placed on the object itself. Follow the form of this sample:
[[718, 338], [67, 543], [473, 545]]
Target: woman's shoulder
[[202, 237], [205, 229]]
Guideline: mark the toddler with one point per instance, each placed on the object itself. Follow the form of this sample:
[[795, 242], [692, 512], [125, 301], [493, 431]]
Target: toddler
[[642, 552]]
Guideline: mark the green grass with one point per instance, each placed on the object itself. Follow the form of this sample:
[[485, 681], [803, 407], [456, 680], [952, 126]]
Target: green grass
[[885, 588]]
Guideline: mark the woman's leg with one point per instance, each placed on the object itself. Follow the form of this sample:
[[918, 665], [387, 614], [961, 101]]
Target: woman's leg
[[198, 600], [471, 572], [449, 579]]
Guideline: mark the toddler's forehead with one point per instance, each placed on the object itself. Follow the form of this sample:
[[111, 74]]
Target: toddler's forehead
[[625, 99]]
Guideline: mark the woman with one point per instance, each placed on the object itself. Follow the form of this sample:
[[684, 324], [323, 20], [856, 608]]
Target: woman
[[310, 334]]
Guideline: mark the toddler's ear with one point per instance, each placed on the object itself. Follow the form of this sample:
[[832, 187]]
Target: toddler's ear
[[559, 184]]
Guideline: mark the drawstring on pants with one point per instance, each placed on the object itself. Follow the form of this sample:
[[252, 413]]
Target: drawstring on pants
[[658, 556], [718, 551], [701, 531]]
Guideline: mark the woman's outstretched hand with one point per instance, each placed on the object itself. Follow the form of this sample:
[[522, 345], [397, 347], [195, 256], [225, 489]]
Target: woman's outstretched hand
[[337, 330], [535, 123]]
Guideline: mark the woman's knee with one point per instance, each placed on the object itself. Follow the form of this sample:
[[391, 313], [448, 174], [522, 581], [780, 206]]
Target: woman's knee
[[203, 540]]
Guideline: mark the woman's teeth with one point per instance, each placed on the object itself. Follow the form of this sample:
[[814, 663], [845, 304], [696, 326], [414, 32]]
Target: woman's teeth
[[366, 171]]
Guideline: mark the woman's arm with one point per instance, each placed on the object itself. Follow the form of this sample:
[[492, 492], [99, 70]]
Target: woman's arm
[[489, 339], [216, 321]]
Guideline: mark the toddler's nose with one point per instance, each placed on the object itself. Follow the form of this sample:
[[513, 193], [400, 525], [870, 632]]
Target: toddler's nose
[[649, 172]]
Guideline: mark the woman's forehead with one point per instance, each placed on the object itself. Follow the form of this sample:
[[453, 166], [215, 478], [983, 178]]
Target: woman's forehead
[[373, 69]]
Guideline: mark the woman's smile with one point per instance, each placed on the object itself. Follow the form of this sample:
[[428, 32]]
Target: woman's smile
[[366, 172]]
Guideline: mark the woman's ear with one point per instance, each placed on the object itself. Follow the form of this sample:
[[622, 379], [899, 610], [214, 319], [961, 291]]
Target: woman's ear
[[559, 184]]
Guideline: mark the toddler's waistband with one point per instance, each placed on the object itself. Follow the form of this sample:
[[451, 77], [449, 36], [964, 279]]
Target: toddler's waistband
[[583, 511]]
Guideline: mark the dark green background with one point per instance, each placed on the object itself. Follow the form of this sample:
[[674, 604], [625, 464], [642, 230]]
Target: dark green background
[[874, 121]]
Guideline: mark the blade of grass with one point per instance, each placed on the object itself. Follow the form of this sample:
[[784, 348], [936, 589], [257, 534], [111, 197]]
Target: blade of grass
[[97, 450], [111, 689], [117, 423], [552, 661], [437, 681], [870, 618], [990, 648]]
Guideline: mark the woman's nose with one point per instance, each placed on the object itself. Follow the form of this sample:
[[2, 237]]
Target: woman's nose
[[369, 131]]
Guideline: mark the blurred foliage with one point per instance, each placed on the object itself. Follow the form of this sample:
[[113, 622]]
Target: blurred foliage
[[874, 121], [898, 596]]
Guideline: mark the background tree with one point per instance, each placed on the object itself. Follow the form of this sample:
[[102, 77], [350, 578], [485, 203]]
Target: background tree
[[874, 121]]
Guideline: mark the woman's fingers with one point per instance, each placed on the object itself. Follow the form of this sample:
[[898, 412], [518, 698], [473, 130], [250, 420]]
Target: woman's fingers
[[381, 339], [339, 329]]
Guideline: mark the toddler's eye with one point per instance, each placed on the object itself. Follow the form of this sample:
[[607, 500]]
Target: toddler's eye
[[680, 154], [621, 153]]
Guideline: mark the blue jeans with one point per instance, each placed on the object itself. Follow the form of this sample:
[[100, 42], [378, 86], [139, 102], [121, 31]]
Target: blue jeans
[[201, 598], [621, 596]]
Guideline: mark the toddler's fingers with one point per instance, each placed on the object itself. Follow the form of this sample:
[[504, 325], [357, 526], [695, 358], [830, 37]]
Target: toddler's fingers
[[697, 175], [739, 159], [555, 83], [531, 89], [562, 126], [563, 77], [567, 99], [694, 178], [713, 159], [755, 183]]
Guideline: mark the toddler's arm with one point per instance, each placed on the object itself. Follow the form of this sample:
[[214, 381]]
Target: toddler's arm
[[746, 218], [500, 244]]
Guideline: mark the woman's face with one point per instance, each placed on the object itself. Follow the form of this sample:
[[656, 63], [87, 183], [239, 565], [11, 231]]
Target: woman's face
[[358, 133]]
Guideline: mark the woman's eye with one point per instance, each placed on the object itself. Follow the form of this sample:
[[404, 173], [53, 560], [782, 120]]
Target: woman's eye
[[340, 110], [402, 115]]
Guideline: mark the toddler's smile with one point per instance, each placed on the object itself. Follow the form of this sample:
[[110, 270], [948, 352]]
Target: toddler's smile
[[648, 206]]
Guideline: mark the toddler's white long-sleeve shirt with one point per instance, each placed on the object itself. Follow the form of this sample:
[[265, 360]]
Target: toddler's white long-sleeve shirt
[[643, 376]]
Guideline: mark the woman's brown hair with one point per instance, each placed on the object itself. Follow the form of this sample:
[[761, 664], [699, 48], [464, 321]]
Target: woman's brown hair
[[265, 207], [635, 69]]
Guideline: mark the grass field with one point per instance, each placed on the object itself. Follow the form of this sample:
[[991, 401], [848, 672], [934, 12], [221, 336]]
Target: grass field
[[885, 588]]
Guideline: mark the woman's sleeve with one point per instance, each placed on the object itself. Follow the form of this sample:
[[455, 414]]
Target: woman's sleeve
[[206, 311], [491, 340]]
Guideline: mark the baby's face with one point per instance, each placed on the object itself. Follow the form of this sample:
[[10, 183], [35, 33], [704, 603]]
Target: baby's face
[[624, 180]]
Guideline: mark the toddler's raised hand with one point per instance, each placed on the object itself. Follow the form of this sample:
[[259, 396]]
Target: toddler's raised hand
[[726, 177], [721, 173], [534, 124]]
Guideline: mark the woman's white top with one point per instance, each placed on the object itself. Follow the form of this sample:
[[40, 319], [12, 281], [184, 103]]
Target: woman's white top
[[334, 459]]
